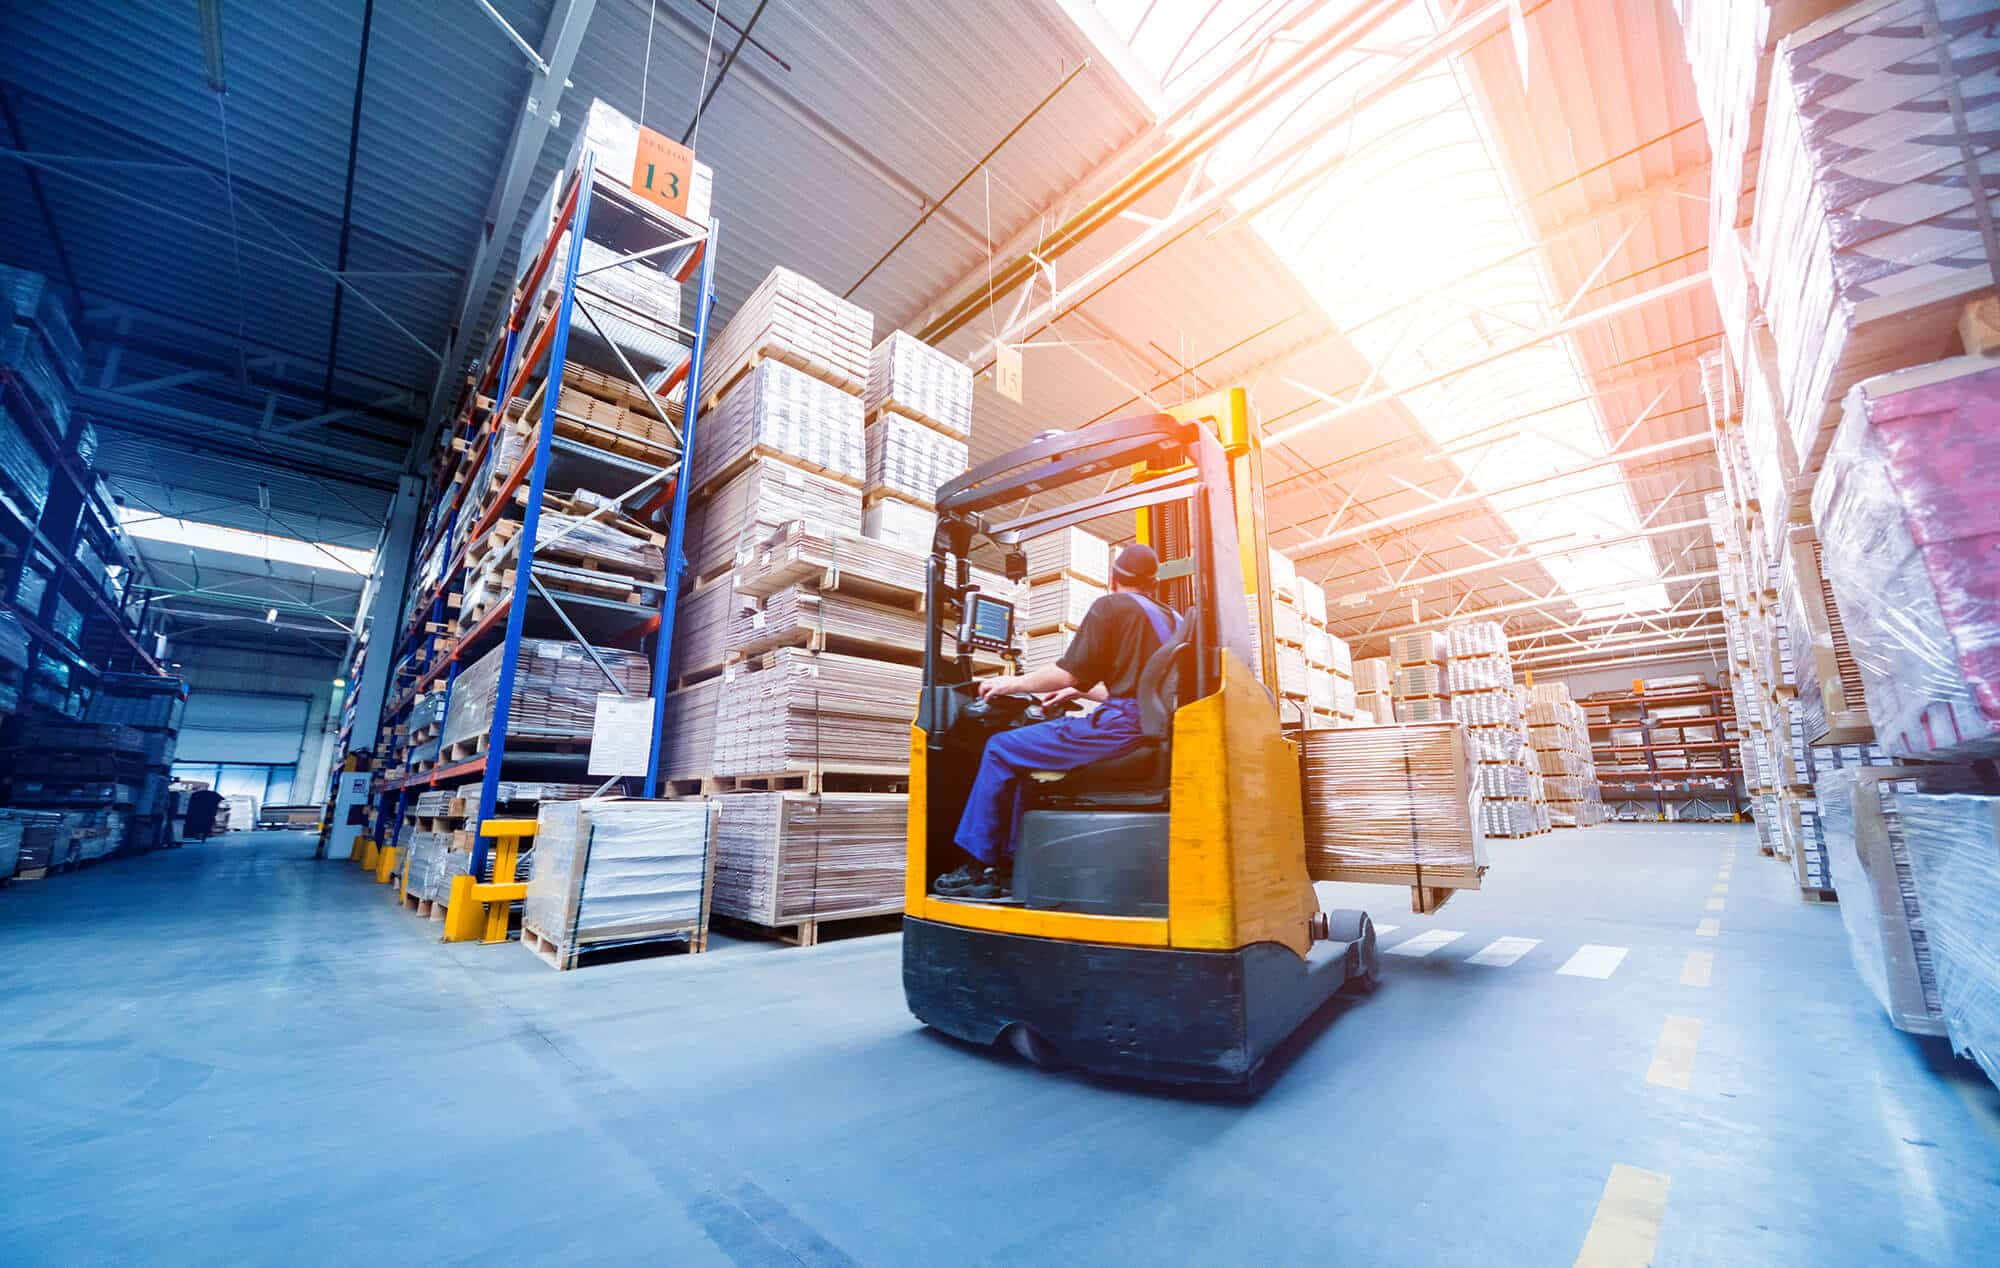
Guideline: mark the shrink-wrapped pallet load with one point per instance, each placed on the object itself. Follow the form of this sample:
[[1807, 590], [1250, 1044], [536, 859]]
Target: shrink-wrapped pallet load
[[789, 857], [1374, 673], [791, 319], [1058, 603], [1312, 598], [1284, 578], [777, 411], [1908, 515], [611, 871], [1954, 848], [907, 376], [1393, 805], [1887, 935], [1375, 706], [556, 685], [1865, 241], [1423, 648], [900, 523]]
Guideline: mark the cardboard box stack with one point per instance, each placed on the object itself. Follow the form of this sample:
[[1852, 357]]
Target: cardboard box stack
[[1419, 684], [817, 463], [1330, 694], [1479, 679], [1394, 805], [1560, 739], [1374, 701]]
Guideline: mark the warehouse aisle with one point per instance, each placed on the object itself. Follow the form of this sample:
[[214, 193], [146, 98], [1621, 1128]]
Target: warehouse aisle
[[229, 1049]]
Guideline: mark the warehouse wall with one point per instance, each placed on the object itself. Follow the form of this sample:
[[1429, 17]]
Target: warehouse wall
[[228, 671]]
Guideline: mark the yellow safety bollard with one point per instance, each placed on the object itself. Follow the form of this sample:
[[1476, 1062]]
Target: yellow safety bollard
[[385, 863], [370, 854], [478, 910]]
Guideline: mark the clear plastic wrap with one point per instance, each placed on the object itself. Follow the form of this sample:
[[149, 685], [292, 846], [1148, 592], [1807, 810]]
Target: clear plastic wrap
[[1288, 624], [1879, 906], [783, 857], [1292, 676], [777, 410], [816, 711], [21, 462], [1864, 240], [1312, 598], [911, 459], [29, 299], [25, 355], [1421, 680], [1319, 688], [1392, 804], [1908, 510], [1071, 550], [556, 685], [791, 319], [619, 871], [1284, 577], [1318, 648], [908, 376], [1954, 849], [1503, 780], [1374, 706], [759, 500], [799, 616], [1423, 709], [1475, 638], [1486, 708], [1479, 673]]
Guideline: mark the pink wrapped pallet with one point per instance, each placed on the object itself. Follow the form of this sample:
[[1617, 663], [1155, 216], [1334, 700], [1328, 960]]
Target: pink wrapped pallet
[[1908, 508]]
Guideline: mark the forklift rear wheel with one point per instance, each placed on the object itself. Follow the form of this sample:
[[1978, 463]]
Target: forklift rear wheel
[[1356, 928], [1032, 1047]]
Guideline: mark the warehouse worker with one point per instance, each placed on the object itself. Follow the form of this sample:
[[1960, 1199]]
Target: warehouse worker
[[1119, 633]]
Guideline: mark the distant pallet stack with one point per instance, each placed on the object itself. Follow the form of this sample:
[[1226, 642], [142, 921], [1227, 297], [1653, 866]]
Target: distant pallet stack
[[1560, 737], [1067, 572], [919, 418], [1479, 679]]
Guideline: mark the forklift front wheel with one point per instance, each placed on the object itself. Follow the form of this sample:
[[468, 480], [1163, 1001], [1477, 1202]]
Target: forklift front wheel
[[1356, 929]]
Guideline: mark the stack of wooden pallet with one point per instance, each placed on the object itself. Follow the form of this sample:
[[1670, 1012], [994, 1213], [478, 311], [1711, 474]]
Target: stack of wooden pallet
[[1393, 805], [788, 859], [919, 406]]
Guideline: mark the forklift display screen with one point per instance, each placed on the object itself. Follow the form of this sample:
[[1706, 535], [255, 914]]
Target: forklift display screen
[[989, 623]]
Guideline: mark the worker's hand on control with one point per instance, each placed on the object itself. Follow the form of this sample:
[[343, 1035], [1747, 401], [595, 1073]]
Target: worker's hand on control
[[1060, 697], [998, 685]]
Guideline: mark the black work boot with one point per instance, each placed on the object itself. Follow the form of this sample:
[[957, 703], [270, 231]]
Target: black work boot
[[974, 880]]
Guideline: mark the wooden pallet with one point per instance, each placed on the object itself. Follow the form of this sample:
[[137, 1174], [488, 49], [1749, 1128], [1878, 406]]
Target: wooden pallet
[[806, 932], [814, 640], [553, 953], [569, 505], [493, 547], [741, 462], [476, 745], [881, 779], [611, 586]]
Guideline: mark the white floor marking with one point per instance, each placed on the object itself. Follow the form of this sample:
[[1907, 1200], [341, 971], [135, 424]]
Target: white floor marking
[[1380, 930], [1502, 952], [1426, 942], [1592, 960], [1699, 968], [1714, 904]]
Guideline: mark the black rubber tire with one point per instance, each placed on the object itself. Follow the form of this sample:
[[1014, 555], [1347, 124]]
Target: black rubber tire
[[1032, 1048]]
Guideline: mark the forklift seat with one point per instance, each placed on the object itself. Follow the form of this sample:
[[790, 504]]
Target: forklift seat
[[1139, 777]]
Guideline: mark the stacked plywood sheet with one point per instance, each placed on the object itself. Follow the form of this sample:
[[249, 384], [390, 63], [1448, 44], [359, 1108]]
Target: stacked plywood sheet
[[761, 498], [1393, 805], [1329, 664], [1563, 755], [1867, 848], [800, 712], [919, 405], [804, 616], [781, 412], [613, 872], [790, 319], [787, 858], [555, 690]]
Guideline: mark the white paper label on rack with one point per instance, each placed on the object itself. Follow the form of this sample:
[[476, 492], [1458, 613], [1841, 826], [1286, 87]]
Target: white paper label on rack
[[549, 650], [621, 737]]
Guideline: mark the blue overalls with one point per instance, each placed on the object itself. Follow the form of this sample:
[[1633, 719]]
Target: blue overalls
[[986, 830]]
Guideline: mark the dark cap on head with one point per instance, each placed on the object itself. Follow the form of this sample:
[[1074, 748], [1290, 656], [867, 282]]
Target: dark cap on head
[[1136, 565]]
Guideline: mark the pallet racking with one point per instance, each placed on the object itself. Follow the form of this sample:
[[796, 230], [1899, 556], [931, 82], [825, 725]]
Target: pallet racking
[[1691, 789], [526, 363]]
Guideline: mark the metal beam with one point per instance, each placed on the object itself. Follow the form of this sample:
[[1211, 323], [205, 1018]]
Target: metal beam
[[1517, 560], [1558, 599], [1558, 330], [151, 418], [560, 40]]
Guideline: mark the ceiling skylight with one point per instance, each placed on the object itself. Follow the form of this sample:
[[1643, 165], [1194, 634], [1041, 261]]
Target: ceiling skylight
[[1388, 244], [237, 541]]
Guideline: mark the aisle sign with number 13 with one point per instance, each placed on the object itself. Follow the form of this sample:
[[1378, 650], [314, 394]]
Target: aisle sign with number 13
[[663, 171]]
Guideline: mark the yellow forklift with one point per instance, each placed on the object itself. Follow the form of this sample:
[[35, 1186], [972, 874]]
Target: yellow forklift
[[1162, 924]]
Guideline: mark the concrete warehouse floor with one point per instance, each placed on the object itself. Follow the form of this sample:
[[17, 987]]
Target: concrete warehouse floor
[[231, 1054]]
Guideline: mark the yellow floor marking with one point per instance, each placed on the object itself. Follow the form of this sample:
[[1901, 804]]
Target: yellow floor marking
[[1714, 904], [1673, 1055], [1626, 1228], [1721, 887], [1700, 965], [1708, 928]]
